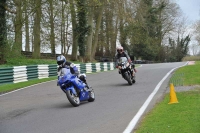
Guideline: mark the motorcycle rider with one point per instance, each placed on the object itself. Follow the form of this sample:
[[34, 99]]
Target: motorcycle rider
[[122, 53], [63, 63]]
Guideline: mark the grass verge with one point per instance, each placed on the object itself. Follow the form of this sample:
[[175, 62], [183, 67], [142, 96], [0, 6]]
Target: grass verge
[[182, 117], [14, 86], [187, 76], [27, 61]]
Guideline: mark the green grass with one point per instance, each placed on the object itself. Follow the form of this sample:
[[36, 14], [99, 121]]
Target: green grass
[[182, 117], [188, 75], [14, 86], [27, 61]]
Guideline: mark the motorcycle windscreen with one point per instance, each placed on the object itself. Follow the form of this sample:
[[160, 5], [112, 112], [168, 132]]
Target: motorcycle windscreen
[[122, 59], [64, 75]]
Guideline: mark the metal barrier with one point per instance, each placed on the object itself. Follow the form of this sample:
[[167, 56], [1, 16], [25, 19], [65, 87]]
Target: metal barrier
[[18, 74], [6, 75]]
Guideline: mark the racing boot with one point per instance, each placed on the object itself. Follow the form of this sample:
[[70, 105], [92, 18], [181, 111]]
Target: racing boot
[[119, 72]]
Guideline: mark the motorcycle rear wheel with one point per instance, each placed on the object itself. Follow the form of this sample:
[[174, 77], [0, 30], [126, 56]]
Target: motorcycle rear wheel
[[74, 100]]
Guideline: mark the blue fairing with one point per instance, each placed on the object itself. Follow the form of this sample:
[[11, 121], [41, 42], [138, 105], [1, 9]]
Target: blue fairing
[[84, 95], [71, 88], [68, 81], [78, 83]]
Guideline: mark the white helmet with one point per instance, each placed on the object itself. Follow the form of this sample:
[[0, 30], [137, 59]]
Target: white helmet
[[120, 48]]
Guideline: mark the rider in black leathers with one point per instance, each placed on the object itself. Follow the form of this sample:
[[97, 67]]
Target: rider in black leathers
[[122, 53]]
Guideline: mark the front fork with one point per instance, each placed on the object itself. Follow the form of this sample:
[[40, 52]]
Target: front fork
[[131, 72]]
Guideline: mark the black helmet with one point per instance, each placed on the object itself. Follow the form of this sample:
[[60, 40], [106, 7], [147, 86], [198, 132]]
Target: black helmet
[[61, 60]]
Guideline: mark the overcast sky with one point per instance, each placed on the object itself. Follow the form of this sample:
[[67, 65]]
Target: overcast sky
[[190, 8]]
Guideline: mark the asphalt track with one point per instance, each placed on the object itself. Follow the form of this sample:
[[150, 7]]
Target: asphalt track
[[44, 108]]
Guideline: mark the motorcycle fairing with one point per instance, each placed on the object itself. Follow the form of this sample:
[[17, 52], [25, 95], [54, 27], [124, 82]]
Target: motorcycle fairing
[[84, 95], [72, 89], [68, 82], [78, 83]]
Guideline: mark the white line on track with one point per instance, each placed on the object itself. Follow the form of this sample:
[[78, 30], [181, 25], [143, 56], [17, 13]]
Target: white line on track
[[135, 119]]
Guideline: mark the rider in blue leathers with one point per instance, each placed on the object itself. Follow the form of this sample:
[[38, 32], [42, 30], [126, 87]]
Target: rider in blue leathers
[[63, 63]]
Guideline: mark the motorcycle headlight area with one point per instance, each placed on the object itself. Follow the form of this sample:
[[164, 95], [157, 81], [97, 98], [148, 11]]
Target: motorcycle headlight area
[[124, 65], [66, 84], [127, 64]]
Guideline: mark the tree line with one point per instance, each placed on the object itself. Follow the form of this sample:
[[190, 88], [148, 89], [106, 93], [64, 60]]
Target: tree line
[[147, 29]]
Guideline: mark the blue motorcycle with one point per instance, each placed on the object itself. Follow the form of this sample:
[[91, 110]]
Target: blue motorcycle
[[74, 88]]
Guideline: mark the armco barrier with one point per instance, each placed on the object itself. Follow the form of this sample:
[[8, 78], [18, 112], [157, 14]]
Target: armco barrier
[[6, 75], [24, 73]]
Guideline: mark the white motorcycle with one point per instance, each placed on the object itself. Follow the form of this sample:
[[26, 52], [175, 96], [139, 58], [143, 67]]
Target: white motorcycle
[[126, 70]]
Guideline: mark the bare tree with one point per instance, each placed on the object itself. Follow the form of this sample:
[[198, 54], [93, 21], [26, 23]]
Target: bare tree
[[197, 31], [27, 45], [52, 34], [74, 30], [90, 15], [97, 28], [195, 49], [17, 48], [36, 30], [62, 36], [3, 33]]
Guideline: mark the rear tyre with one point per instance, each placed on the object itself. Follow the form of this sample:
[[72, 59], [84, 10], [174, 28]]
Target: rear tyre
[[74, 100]]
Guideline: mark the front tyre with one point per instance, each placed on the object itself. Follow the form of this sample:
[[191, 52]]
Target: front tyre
[[133, 80], [74, 100], [91, 96], [128, 78]]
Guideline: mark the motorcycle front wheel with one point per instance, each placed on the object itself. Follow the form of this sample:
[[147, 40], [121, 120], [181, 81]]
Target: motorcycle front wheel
[[73, 99], [133, 80], [91, 96], [128, 78]]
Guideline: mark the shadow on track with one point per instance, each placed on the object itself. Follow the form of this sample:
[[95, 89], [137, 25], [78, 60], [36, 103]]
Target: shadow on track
[[123, 84]]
